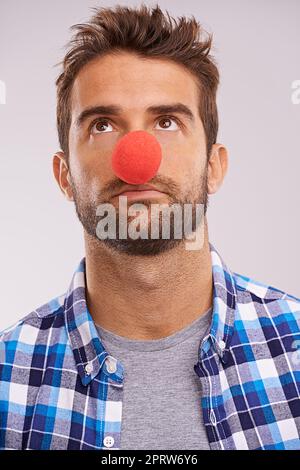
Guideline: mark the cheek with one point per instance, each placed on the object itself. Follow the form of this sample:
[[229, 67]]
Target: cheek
[[91, 169], [91, 152], [183, 162], [173, 155]]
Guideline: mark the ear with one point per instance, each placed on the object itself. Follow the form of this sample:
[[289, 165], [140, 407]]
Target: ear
[[62, 174], [217, 167]]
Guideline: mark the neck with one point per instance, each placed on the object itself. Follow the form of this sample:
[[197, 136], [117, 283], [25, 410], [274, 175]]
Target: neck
[[147, 297]]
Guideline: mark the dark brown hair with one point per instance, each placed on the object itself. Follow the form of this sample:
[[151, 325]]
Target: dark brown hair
[[148, 33]]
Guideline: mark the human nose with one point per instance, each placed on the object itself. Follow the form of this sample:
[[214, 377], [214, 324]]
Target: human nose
[[136, 157]]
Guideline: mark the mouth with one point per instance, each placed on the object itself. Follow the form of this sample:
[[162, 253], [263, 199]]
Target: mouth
[[140, 192]]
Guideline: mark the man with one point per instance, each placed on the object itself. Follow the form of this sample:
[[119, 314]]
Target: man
[[153, 346]]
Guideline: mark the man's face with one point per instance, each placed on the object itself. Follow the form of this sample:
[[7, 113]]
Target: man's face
[[134, 84]]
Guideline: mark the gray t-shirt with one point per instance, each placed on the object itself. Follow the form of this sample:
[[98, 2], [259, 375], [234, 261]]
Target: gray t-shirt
[[162, 393]]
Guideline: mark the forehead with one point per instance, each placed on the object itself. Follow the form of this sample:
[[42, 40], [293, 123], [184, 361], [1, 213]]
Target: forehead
[[130, 81]]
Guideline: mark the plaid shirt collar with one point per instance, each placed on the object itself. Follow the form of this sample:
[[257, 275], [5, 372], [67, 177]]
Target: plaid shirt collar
[[89, 352]]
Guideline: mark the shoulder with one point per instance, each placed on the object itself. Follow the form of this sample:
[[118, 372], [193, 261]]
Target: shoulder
[[27, 328], [263, 299]]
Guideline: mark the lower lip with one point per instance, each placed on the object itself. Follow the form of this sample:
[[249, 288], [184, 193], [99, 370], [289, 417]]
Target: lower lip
[[141, 194]]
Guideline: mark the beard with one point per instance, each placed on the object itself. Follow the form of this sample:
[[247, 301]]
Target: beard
[[86, 210]]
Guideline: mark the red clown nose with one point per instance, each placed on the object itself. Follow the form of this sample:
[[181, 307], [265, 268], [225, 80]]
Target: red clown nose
[[136, 157]]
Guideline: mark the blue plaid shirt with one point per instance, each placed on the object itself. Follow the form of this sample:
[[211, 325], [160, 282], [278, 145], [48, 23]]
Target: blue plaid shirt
[[60, 389]]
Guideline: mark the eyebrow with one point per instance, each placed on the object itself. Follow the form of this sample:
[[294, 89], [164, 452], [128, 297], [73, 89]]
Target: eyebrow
[[113, 110]]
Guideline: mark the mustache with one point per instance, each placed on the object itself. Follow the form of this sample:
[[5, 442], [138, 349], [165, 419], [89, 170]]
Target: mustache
[[162, 183]]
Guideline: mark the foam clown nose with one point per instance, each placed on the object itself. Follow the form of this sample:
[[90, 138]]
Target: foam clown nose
[[136, 157]]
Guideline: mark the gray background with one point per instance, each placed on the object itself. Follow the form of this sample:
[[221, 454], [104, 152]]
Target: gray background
[[253, 219]]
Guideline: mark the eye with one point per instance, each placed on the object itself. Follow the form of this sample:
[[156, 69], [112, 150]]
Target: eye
[[169, 127], [98, 125]]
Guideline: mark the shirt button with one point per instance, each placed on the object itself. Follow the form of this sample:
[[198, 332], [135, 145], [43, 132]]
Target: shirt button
[[108, 441], [222, 345], [111, 365], [88, 368], [212, 417]]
